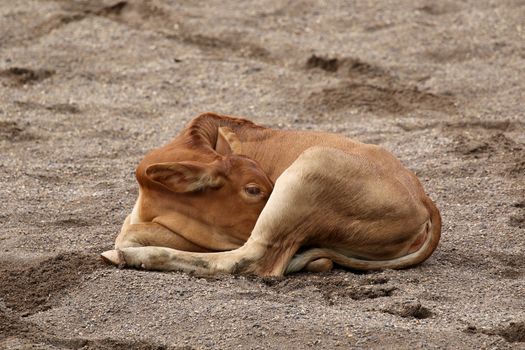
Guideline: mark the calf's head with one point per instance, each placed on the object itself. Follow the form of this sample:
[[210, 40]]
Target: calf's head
[[225, 195]]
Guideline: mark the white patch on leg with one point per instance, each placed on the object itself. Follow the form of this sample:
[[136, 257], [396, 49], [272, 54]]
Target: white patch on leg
[[135, 214]]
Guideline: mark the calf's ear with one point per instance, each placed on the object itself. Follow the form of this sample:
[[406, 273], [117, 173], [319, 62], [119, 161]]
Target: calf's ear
[[227, 142], [184, 177]]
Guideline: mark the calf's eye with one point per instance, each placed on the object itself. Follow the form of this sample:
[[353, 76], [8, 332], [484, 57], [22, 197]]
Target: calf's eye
[[252, 190]]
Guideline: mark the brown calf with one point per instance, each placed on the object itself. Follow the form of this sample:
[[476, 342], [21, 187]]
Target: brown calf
[[204, 204]]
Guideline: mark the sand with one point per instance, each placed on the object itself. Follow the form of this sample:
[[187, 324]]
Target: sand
[[88, 87]]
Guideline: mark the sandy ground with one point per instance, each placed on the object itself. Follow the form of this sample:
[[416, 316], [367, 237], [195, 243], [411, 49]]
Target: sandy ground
[[88, 87]]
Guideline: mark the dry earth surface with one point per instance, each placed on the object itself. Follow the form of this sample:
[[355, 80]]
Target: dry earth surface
[[88, 87]]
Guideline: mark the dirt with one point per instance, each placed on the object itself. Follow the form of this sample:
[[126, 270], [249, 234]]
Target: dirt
[[22, 76], [29, 289], [88, 87], [371, 88]]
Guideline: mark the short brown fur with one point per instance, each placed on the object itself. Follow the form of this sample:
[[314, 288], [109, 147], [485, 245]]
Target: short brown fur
[[355, 204]]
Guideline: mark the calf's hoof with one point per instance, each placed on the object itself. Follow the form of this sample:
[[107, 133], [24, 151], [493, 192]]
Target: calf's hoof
[[320, 265], [114, 257]]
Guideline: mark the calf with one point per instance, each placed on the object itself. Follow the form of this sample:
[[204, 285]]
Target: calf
[[204, 204]]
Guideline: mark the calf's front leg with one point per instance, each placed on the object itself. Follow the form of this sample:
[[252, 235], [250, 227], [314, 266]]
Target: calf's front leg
[[152, 234], [276, 237]]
